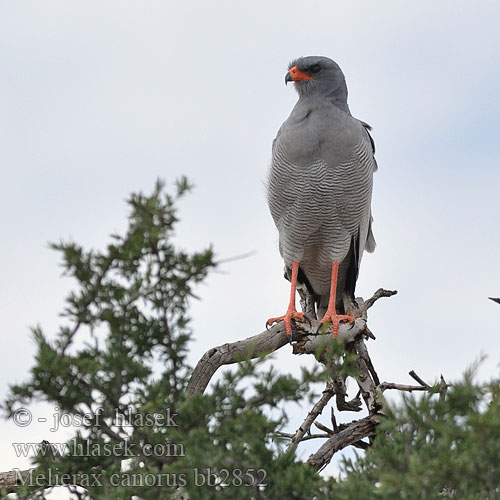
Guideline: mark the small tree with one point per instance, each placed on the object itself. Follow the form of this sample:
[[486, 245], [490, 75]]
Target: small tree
[[119, 365]]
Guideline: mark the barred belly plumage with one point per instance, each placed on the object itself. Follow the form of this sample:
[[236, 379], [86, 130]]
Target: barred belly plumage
[[318, 209]]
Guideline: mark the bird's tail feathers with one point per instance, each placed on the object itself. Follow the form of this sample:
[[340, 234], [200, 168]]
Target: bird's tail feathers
[[370, 239]]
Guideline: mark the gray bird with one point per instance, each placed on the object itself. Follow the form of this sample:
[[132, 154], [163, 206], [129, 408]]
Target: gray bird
[[319, 191]]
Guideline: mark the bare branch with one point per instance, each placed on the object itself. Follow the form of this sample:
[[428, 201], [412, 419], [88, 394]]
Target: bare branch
[[311, 417], [264, 343], [364, 378], [235, 257], [353, 433], [402, 387], [305, 438], [443, 388], [252, 347], [381, 292], [414, 376], [362, 351], [321, 427]]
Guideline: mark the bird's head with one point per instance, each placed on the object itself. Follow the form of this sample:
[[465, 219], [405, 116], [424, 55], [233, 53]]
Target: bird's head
[[317, 75]]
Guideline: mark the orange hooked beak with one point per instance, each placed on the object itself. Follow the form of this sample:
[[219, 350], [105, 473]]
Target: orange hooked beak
[[295, 75]]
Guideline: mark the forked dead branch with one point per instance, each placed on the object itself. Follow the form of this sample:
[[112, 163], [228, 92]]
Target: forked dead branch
[[305, 342]]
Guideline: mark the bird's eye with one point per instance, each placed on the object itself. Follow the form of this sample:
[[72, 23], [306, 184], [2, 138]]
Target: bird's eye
[[315, 68]]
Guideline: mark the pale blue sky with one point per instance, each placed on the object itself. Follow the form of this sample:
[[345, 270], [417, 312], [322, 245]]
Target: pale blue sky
[[99, 98]]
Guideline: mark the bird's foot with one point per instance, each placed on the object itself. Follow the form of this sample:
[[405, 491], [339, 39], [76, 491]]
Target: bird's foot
[[334, 319], [287, 317]]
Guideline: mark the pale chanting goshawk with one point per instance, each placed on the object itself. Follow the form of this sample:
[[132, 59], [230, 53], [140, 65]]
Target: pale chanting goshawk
[[319, 191]]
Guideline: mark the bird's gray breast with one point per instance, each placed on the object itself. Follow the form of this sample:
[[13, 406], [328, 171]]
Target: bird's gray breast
[[319, 187]]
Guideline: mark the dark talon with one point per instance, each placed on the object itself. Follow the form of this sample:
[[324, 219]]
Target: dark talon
[[319, 328], [267, 326], [351, 325], [308, 320]]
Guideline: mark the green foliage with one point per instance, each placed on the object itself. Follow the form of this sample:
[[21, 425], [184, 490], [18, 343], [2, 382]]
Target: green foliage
[[432, 447], [120, 358]]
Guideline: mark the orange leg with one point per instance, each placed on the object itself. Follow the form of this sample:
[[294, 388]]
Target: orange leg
[[291, 312], [330, 314]]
